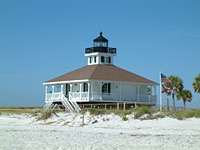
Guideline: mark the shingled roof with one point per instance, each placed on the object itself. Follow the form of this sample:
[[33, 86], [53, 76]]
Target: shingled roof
[[101, 72], [100, 38]]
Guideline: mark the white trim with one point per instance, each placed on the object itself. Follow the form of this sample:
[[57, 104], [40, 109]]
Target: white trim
[[101, 54], [86, 80], [61, 82]]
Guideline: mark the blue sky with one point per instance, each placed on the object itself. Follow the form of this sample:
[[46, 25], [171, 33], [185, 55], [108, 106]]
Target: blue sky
[[40, 40]]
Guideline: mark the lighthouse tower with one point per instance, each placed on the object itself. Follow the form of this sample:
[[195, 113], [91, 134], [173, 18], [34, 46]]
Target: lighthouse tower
[[100, 53]]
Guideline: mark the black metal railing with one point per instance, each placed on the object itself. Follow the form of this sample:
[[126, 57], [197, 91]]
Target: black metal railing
[[101, 50]]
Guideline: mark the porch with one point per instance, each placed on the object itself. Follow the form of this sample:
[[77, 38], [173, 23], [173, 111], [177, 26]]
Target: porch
[[96, 91]]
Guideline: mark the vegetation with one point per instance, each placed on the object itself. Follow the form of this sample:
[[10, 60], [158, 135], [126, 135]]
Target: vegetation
[[44, 115], [124, 118], [17, 111], [176, 85], [196, 84], [94, 111], [21, 107], [184, 114], [149, 113], [142, 113], [185, 95]]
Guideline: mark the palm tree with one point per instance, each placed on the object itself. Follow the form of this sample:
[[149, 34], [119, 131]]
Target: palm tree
[[196, 84], [176, 85], [186, 95]]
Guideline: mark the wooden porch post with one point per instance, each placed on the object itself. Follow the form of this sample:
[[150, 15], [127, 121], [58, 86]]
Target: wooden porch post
[[70, 90], [138, 93], [61, 90], [124, 106], [46, 90], [70, 87], [53, 89], [120, 92], [88, 90], [100, 84], [91, 95], [81, 90]]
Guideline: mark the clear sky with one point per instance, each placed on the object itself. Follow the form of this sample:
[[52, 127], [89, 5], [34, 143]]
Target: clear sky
[[40, 40]]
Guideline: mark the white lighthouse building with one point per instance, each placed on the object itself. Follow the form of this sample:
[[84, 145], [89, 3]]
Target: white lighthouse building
[[100, 81]]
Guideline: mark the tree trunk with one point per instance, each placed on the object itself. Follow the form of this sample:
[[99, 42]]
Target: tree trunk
[[184, 105], [167, 104], [174, 109]]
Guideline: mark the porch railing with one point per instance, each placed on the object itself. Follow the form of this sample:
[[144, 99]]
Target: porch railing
[[151, 99], [53, 96], [78, 95]]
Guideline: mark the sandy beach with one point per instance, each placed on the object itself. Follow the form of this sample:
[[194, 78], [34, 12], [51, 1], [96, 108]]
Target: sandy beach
[[65, 131]]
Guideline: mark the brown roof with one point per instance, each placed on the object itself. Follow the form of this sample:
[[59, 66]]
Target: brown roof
[[102, 72]]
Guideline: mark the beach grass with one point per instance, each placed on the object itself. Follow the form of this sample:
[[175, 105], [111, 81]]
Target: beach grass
[[44, 115], [17, 111], [21, 107], [138, 113], [184, 114], [94, 111]]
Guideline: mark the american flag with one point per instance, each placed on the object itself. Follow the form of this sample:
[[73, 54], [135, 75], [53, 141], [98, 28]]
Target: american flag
[[164, 79]]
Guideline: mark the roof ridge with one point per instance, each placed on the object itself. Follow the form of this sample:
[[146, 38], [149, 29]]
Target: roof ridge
[[93, 71]]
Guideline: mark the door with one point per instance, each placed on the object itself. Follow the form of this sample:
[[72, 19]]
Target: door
[[67, 90]]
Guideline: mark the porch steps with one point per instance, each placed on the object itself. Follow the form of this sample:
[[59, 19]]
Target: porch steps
[[47, 106], [75, 105], [69, 105]]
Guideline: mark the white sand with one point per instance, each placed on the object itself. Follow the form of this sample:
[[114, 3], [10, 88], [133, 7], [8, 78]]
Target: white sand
[[23, 132]]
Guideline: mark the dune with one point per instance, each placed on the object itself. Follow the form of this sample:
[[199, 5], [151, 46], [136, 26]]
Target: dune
[[67, 131]]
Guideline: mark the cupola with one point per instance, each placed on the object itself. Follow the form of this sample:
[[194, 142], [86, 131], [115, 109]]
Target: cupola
[[100, 41], [100, 53]]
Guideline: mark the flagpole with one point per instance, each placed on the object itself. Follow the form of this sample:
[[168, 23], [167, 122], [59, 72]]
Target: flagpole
[[160, 93]]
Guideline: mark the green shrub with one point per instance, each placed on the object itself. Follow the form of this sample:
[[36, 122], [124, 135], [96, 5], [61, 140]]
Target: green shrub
[[124, 118]]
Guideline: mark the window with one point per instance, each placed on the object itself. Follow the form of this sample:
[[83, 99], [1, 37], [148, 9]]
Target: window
[[100, 44], [106, 88], [104, 44], [95, 59], [90, 60], [102, 59], [85, 87]]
